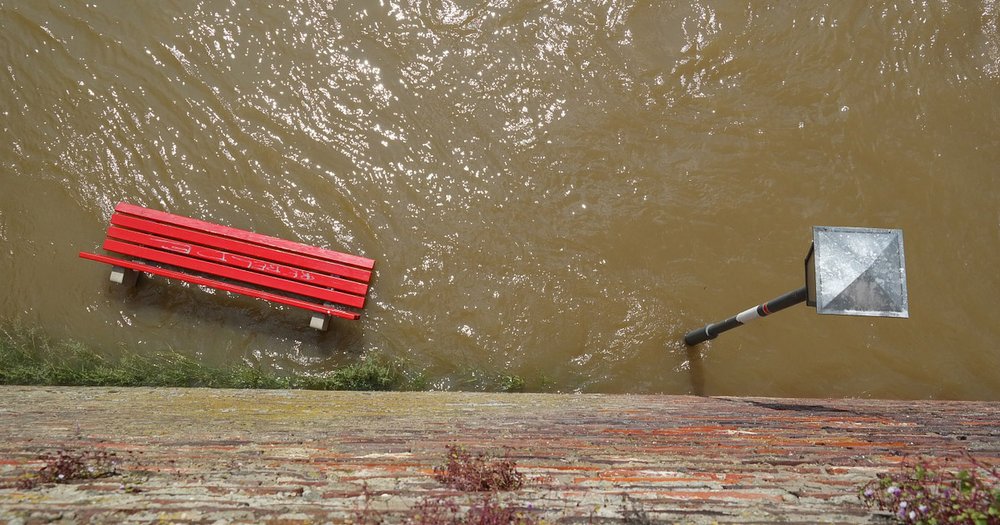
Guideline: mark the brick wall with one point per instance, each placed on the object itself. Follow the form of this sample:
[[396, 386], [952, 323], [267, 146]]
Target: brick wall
[[241, 456]]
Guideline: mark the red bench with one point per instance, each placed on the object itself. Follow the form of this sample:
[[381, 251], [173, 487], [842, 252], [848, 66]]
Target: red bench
[[206, 254]]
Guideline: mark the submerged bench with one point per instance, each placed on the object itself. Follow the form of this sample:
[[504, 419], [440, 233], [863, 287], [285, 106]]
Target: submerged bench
[[206, 254]]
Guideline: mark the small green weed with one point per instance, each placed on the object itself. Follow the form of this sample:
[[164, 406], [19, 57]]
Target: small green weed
[[480, 379], [511, 383]]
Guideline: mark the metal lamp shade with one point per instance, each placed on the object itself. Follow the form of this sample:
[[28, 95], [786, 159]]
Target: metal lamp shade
[[858, 271]]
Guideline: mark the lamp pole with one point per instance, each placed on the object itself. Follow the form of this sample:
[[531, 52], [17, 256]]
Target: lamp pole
[[711, 331]]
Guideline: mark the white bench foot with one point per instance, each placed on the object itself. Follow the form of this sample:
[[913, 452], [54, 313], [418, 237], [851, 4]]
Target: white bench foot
[[319, 321], [124, 276]]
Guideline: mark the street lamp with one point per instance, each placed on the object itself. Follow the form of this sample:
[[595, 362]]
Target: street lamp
[[848, 271]]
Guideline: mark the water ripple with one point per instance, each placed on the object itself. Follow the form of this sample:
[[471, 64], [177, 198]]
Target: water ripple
[[552, 189]]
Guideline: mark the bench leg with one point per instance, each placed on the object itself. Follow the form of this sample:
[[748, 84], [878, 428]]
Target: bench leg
[[319, 321], [124, 276]]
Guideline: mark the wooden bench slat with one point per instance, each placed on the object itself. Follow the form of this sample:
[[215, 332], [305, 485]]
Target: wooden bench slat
[[221, 285], [236, 260], [258, 279], [256, 238], [241, 247]]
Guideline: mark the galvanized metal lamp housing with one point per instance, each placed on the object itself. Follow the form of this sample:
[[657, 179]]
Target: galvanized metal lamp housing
[[849, 271]]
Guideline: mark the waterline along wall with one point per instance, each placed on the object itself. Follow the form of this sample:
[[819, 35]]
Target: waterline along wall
[[204, 455]]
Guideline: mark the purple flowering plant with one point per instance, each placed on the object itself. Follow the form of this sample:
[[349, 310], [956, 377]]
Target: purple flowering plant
[[922, 496]]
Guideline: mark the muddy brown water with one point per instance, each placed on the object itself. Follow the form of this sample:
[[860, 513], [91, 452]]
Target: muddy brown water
[[554, 190]]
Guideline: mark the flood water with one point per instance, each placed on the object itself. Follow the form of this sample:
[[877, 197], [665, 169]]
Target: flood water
[[553, 190]]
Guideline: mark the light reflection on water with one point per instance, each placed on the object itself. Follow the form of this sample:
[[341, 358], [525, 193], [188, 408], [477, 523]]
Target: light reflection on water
[[555, 190]]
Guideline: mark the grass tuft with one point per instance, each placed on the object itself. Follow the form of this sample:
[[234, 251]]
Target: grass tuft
[[29, 357], [511, 383]]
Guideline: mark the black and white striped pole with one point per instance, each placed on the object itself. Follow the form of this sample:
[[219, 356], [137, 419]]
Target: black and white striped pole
[[849, 271], [711, 331]]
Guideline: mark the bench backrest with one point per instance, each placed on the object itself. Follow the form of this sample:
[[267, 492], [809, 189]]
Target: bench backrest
[[239, 255]]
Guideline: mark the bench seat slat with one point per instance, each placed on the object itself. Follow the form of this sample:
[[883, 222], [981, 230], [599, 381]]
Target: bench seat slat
[[256, 238], [237, 260], [229, 287], [189, 263], [240, 247]]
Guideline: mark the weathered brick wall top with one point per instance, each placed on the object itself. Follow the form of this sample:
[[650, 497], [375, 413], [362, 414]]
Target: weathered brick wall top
[[239, 456]]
